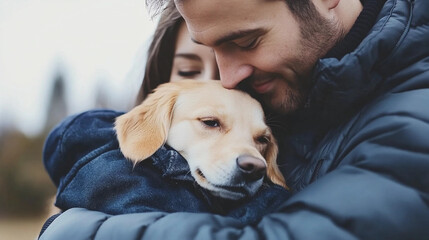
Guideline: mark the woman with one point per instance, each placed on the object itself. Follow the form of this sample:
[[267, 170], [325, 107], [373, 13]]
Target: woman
[[171, 62]]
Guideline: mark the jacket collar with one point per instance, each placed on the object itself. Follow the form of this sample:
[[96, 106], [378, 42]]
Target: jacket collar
[[171, 164], [359, 30], [342, 86]]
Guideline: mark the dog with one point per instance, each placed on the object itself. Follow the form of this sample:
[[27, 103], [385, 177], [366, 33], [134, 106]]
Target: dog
[[220, 132]]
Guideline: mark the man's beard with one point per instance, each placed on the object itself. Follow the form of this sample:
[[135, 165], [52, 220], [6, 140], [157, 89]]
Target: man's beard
[[318, 36], [284, 100], [287, 99], [318, 33]]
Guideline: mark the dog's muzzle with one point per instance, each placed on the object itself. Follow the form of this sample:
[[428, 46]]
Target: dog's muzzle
[[249, 169], [247, 179]]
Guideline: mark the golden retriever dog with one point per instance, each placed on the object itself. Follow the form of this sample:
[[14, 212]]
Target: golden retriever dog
[[220, 132]]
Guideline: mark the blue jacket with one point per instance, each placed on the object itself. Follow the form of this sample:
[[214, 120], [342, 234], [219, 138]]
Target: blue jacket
[[359, 172]]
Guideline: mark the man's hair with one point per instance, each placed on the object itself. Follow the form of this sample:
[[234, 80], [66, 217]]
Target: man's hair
[[155, 7], [300, 8], [305, 12]]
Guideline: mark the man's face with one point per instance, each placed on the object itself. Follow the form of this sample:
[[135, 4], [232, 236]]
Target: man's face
[[260, 43]]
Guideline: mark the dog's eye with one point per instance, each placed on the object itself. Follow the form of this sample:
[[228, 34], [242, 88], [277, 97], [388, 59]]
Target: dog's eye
[[211, 122], [263, 139]]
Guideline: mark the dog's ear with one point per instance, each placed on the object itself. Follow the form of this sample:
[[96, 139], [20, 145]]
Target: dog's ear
[[144, 129], [273, 171]]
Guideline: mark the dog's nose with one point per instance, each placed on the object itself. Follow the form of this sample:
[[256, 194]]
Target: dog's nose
[[252, 168]]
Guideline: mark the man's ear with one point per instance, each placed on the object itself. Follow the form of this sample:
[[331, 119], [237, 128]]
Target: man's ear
[[326, 4], [273, 171], [324, 7], [145, 128]]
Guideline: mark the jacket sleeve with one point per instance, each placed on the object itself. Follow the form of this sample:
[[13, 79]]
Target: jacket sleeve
[[378, 189]]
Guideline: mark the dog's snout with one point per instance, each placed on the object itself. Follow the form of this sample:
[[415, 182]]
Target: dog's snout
[[251, 168]]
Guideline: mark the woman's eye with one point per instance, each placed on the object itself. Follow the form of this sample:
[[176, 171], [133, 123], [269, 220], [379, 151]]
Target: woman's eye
[[188, 73], [211, 123]]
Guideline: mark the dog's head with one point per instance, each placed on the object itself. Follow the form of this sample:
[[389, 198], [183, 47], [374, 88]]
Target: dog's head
[[221, 133]]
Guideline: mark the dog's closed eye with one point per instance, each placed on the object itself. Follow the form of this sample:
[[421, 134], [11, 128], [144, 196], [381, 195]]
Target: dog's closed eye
[[210, 122]]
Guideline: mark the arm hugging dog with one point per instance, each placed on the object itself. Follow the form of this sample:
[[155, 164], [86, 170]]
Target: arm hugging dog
[[221, 133]]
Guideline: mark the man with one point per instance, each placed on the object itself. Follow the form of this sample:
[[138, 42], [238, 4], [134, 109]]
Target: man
[[263, 43], [351, 80]]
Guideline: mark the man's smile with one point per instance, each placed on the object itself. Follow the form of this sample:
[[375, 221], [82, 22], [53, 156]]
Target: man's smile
[[263, 86]]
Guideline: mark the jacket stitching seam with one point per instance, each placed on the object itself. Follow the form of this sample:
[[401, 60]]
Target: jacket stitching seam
[[99, 226]]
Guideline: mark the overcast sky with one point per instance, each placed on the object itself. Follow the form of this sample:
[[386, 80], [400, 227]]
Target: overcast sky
[[93, 42]]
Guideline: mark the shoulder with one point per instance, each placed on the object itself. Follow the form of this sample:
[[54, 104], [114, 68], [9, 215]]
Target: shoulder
[[75, 137], [97, 118], [393, 111], [84, 121], [390, 134]]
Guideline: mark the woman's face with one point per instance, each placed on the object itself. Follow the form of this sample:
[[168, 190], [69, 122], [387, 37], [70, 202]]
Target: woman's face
[[191, 60]]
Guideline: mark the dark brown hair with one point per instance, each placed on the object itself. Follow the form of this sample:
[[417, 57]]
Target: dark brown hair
[[300, 8], [304, 11], [161, 51]]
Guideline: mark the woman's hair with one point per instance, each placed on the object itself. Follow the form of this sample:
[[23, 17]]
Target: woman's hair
[[161, 51]]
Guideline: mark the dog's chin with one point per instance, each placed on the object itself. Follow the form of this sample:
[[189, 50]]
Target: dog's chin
[[235, 192], [228, 191]]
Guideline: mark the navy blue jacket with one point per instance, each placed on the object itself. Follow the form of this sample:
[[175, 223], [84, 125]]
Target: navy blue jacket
[[359, 172]]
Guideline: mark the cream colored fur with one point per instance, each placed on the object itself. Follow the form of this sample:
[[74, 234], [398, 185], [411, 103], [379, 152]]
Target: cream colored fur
[[185, 115]]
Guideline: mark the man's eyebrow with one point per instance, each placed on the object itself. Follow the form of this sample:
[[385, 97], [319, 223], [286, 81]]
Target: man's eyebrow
[[235, 35], [188, 56]]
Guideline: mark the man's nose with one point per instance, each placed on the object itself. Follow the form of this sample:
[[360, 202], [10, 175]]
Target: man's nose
[[231, 70]]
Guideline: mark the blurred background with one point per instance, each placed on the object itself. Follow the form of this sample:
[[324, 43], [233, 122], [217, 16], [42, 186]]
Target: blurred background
[[57, 58]]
